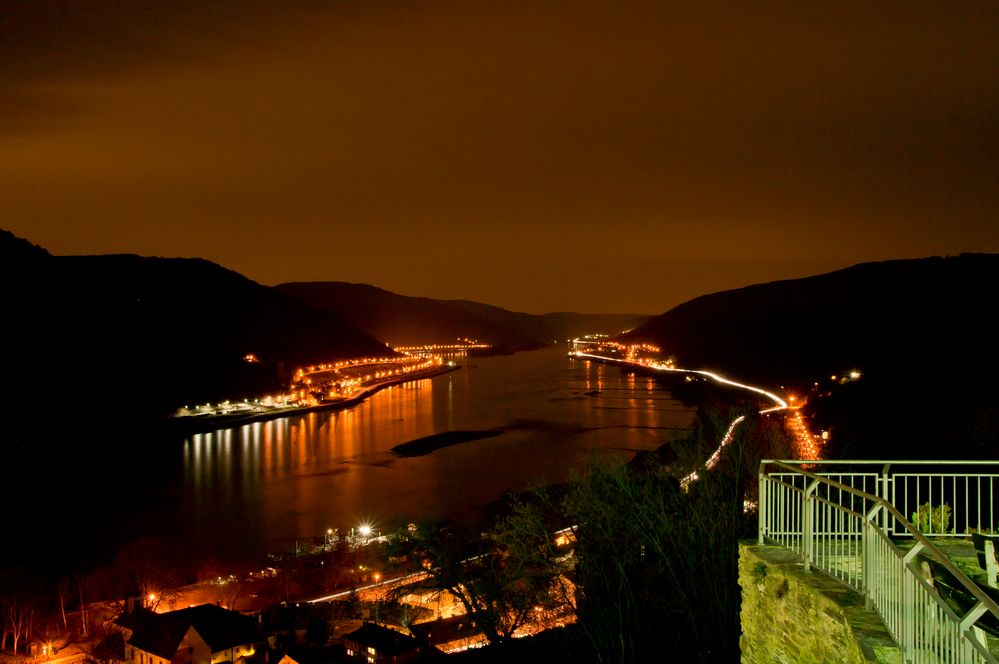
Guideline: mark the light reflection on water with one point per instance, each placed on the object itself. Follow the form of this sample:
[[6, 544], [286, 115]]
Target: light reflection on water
[[260, 486]]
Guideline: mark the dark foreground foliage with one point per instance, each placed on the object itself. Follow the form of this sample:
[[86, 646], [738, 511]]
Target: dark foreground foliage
[[653, 571]]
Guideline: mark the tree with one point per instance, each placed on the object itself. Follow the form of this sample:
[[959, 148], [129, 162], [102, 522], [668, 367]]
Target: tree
[[84, 586], [656, 562], [655, 566], [63, 591], [20, 601], [282, 586], [500, 579], [230, 592], [537, 563]]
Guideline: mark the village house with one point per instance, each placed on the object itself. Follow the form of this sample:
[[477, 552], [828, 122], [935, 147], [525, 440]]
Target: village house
[[205, 634], [374, 643]]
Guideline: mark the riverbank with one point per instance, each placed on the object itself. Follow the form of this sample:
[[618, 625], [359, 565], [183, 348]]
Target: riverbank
[[201, 424]]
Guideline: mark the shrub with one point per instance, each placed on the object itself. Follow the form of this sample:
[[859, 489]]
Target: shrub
[[929, 519]]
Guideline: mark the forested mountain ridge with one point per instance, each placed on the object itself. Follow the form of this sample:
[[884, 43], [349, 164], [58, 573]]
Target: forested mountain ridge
[[405, 320]]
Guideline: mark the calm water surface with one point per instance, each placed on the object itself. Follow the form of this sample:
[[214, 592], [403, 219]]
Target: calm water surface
[[261, 486]]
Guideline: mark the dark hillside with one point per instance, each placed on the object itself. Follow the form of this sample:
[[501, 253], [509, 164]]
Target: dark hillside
[[404, 320], [920, 331], [912, 313], [131, 338]]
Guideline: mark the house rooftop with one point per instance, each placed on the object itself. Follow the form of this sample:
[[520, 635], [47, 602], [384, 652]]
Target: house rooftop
[[220, 628], [386, 641], [154, 632], [162, 633]]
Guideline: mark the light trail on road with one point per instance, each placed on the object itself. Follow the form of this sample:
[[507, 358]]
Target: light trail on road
[[415, 576], [712, 460], [781, 404]]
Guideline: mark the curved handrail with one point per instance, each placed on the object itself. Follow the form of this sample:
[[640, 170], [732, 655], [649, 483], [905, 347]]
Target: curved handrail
[[927, 545]]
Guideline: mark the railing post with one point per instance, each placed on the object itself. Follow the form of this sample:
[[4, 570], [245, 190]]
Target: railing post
[[806, 524], [867, 560], [967, 626], [884, 496], [761, 505], [908, 627]]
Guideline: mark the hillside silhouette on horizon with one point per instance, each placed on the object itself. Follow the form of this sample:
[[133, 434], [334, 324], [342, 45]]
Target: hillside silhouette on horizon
[[919, 330], [133, 338], [128, 339], [406, 320]]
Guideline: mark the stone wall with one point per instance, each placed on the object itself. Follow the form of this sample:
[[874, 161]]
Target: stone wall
[[789, 615]]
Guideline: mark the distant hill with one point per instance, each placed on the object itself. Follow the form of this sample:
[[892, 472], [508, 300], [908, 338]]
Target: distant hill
[[18, 252], [403, 320], [920, 331], [128, 337]]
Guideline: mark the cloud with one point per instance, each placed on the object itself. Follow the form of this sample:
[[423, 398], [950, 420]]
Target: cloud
[[519, 141]]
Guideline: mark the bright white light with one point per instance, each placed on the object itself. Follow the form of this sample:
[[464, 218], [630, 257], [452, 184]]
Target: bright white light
[[365, 530]]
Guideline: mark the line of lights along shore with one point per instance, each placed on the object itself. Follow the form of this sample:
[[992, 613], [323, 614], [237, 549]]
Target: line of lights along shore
[[344, 379]]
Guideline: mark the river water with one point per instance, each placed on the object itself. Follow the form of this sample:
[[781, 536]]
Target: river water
[[269, 483], [242, 492]]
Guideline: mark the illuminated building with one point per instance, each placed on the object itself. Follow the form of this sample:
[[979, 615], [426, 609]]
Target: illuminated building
[[205, 634]]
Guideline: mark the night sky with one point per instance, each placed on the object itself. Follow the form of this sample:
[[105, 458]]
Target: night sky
[[539, 156]]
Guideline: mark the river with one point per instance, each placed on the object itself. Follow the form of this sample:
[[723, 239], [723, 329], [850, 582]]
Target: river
[[242, 492]]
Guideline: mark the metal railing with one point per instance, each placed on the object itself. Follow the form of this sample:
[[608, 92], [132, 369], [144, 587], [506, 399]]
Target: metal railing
[[843, 521]]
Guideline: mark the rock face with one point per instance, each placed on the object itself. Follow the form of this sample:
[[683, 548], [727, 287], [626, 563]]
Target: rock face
[[791, 616]]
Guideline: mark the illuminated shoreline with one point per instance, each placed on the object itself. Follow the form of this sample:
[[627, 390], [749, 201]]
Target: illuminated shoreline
[[207, 423]]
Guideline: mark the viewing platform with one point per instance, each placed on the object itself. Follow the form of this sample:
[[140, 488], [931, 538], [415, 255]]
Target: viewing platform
[[896, 536]]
